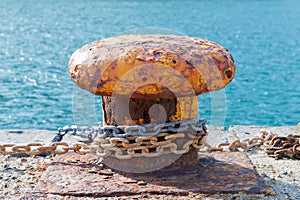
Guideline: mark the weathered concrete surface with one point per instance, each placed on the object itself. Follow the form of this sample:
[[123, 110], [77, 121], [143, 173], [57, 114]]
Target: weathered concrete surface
[[26, 136], [22, 137], [281, 176]]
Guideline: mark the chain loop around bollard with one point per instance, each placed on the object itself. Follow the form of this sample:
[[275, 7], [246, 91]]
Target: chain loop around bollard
[[152, 140]]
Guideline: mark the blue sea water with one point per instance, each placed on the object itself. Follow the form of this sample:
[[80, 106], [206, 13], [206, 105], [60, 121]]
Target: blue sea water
[[38, 37]]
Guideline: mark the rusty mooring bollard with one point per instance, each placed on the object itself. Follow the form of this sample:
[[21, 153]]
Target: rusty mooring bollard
[[151, 79]]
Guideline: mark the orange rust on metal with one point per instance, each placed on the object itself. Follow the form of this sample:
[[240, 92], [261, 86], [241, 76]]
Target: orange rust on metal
[[145, 64], [116, 111], [222, 172], [173, 163]]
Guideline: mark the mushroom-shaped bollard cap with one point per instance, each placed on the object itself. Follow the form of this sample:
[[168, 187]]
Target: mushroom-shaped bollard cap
[[101, 66], [167, 70]]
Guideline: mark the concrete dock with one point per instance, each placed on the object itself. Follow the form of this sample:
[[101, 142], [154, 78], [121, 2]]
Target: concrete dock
[[21, 177]]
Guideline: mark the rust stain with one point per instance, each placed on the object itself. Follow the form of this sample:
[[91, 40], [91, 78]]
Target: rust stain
[[101, 67], [225, 172]]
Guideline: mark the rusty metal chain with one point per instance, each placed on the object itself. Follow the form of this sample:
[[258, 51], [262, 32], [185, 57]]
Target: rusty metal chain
[[123, 142], [33, 149], [275, 146], [147, 146], [136, 130], [279, 147]]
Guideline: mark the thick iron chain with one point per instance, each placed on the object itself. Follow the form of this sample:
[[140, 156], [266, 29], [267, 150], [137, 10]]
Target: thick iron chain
[[33, 149], [147, 146], [276, 146], [125, 142], [136, 130]]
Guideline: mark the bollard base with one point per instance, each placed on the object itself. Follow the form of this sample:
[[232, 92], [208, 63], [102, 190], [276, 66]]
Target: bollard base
[[164, 164], [222, 172]]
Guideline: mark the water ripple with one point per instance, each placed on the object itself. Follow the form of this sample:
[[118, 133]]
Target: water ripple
[[38, 37]]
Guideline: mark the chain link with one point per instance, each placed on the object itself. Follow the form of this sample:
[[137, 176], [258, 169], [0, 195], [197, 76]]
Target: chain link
[[125, 142], [122, 142], [147, 146], [152, 140], [275, 146], [136, 130], [33, 149]]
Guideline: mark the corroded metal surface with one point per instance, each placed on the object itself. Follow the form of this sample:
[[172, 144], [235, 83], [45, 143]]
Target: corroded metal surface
[[148, 64], [225, 172], [163, 164], [129, 111]]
